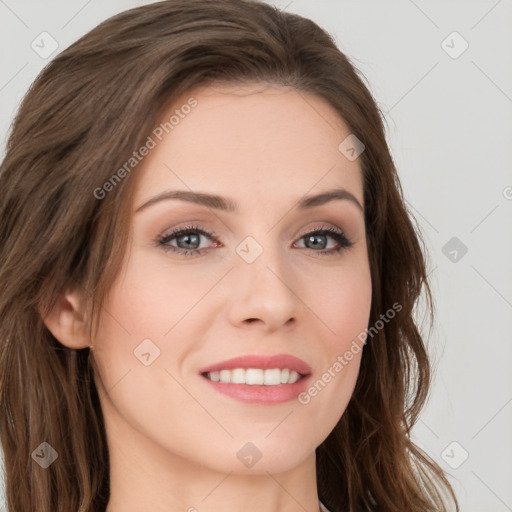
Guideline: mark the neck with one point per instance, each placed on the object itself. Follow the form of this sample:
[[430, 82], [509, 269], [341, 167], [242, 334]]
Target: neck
[[144, 476]]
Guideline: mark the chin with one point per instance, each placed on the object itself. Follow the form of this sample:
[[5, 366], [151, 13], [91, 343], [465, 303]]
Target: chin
[[260, 458]]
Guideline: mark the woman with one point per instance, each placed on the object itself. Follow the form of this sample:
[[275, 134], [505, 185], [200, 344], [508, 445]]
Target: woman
[[170, 338]]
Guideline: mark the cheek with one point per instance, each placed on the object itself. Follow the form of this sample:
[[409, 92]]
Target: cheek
[[346, 305], [133, 320], [150, 300], [134, 367], [145, 310], [345, 310]]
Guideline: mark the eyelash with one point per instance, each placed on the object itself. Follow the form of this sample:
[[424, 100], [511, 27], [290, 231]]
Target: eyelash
[[338, 235]]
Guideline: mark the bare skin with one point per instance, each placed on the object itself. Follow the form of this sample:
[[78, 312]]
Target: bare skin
[[173, 439]]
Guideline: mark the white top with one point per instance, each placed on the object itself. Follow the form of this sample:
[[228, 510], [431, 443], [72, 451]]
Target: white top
[[323, 508]]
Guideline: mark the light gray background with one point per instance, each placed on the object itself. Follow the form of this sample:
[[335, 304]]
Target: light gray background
[[450, 131]]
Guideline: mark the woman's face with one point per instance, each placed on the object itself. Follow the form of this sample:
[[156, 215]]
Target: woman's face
[[261, 285]]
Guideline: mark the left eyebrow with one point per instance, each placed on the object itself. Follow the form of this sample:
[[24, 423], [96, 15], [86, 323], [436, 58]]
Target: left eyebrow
[[229, 205]]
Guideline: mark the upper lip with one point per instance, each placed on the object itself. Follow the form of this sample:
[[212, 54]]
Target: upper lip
[[261, 361]]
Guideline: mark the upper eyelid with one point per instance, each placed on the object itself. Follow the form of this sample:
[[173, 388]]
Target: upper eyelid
[[211, 234], [344, 242], [337, 219]]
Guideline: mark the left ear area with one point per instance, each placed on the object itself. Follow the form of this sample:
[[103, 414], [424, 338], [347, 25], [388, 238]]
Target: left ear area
[[66, 321]]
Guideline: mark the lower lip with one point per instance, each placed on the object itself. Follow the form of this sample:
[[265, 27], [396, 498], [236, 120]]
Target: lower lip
[[256, 394]]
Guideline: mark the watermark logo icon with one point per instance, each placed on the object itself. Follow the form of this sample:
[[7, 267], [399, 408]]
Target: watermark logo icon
[[454, 455], [351, 147], [44, 45], [249, 249], [146, 352], [249, 454], [44, 455], [454, 249], [454, 45]]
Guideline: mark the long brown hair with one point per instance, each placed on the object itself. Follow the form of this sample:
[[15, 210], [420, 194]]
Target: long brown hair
[[83, 117]]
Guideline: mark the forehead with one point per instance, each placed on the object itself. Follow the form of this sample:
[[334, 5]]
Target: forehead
[[255, 142]]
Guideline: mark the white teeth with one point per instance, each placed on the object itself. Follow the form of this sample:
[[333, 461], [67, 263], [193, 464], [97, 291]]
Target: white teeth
[[255, 376]]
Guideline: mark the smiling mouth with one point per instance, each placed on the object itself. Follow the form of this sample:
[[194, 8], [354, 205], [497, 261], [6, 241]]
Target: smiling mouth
[[255, 376]]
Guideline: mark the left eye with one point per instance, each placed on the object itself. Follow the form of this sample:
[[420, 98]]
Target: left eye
[[192, 235]]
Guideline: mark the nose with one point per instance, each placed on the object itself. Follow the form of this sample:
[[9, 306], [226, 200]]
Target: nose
[[266, 293]]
